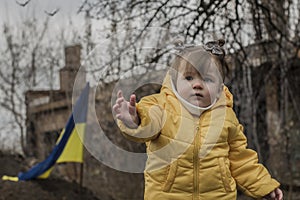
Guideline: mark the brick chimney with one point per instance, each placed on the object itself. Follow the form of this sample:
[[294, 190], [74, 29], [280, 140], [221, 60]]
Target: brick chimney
[[72, 65]]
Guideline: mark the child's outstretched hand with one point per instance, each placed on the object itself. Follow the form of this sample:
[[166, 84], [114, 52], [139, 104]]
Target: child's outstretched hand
[[275, 195], [126, 111]]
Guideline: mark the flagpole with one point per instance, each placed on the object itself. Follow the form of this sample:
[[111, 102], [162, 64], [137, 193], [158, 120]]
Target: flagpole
[[81, 175], [81, 164]]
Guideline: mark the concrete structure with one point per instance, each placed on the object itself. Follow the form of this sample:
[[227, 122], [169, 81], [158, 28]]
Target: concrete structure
[[48, 111]]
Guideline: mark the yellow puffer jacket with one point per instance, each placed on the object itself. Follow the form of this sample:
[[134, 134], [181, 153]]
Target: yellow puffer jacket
[[196, 158]]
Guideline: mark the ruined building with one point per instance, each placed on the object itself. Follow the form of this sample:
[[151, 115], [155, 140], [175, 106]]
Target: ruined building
[[48, 111], [47, 114]]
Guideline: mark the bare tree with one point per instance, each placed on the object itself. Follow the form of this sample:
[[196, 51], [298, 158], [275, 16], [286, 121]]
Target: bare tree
[[26, 63]]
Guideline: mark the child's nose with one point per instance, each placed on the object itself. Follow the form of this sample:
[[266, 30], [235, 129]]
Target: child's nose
[[198, 84]]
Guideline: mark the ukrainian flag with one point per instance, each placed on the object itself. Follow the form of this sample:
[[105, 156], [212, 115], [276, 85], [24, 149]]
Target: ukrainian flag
[[69, 147]]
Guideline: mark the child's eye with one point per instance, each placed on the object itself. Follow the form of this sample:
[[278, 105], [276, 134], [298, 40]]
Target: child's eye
[[189, 78], [208, 80]]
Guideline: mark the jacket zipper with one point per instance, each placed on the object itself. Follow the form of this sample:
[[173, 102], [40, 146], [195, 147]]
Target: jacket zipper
[[196, 164]]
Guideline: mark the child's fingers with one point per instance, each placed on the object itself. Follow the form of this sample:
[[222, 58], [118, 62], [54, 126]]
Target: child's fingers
[[276, 194], [132, 103], [119, 101], [119, 97], [132, 100], [116, 108], [279, 194], [272, 195], [120, 94]]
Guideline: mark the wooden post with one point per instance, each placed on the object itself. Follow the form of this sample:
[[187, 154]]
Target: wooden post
[[81, 175]]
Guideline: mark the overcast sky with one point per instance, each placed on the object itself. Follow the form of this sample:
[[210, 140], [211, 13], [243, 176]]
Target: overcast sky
[[11, 12]]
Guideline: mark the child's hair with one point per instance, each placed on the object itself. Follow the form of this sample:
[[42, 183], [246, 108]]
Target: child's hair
[[201, 57]]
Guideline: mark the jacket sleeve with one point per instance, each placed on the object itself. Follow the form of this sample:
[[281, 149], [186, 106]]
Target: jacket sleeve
[[152, 118], [252, 177]]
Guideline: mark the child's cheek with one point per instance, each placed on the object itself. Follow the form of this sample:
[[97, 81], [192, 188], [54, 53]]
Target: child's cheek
[[213, 91]]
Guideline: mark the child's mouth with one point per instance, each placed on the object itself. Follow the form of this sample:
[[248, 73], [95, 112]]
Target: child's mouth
[[198, 95]]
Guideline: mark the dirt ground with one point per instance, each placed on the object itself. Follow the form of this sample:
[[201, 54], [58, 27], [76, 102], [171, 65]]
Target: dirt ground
[[48, 189], [58, 189]]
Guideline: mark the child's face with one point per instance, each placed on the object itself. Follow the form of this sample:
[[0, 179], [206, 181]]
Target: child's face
[[198, 89]]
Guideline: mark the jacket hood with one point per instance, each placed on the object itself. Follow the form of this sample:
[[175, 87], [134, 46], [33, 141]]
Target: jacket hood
[[225, 99]]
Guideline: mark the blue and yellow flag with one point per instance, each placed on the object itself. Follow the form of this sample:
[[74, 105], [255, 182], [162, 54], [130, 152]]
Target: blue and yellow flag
[[69, 147]]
